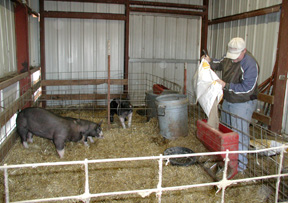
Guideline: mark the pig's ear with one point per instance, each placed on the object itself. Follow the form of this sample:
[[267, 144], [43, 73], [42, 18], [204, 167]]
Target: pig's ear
[[101, 122]]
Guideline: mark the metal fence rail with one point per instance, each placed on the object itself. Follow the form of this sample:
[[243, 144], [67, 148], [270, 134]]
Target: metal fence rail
[[86, 196], [258, 166]]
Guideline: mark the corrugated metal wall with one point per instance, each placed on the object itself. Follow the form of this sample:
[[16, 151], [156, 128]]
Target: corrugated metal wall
[[34, 36], [7, 38], [159, 44], [77, 48], [7, 61], [77, 45], [260, 33], [8, 57]]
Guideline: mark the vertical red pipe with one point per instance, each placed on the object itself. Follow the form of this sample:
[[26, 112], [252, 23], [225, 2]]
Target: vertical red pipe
[[108, 88], [126, 44], [42, 47], [185, 79], [204, 29], [22, 47]]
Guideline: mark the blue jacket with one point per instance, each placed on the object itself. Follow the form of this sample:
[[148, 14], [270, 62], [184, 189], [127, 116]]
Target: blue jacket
[[241, 78]]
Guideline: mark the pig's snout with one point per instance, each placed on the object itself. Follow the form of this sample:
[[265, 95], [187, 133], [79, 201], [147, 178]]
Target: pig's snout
[[100, 135]]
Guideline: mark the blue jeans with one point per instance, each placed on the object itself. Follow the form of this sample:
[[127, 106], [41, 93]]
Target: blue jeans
[[238, 119]]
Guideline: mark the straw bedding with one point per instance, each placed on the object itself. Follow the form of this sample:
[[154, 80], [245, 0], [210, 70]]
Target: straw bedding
[[142, 139]]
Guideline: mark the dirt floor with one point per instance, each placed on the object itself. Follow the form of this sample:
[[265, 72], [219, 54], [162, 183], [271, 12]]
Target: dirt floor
[[142, 139]]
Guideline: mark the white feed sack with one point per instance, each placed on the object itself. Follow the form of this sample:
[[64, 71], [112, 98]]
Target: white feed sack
[[207, 88]]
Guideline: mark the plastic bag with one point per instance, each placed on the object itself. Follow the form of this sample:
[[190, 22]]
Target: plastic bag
[[207, 88]]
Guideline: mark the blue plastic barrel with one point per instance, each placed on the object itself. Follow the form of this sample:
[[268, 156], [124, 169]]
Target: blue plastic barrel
[[172, 112]]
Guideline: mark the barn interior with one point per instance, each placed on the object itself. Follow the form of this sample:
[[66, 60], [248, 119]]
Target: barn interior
[[74, 57]]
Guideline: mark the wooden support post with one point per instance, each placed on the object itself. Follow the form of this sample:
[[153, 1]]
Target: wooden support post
[[22, 47], [204, 30], [281, 71]]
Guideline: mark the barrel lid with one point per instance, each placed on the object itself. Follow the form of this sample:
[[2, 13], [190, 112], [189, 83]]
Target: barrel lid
[[172, 99]]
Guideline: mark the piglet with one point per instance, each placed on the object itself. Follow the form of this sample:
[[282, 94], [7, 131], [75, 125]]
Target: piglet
[[123, 108], [43, 123]]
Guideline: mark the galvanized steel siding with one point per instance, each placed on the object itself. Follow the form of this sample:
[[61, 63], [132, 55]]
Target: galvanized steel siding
[[34, 36], [260, 33], [78, 48], [222, 8], [8, 63], [75, 46], [161, 45], [78, 45], [7, 38]]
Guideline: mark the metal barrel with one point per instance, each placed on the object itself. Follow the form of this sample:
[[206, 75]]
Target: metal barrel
[[150, 99], [172, 112]]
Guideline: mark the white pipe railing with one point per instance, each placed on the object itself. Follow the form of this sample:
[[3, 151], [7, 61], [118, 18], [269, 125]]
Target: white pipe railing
[[224, 182], [159, 186], [86, 196], [6, 184], [279, 172], [87, 193]]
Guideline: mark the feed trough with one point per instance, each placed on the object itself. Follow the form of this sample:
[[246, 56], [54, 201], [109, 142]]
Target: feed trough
[[219, 140]]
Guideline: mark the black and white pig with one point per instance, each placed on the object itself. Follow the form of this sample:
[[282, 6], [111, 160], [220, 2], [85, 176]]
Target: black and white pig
[[123, 108], [43, 123]]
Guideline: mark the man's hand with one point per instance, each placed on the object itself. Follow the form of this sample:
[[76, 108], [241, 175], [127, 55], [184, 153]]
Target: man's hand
[[207, 58], [221, 82]]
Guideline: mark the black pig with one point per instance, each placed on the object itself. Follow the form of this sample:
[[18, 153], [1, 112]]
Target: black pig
[[123, 109], [40, 122], [79, 121]]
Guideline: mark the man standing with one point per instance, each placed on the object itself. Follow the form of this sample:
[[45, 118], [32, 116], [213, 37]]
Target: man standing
[[239, 81]]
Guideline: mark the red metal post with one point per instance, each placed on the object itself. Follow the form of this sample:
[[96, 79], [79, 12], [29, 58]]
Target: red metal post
[[22, 46], [204, 30], [185, 79], [126, 45], [281, 71], [108, 88], [42, 47]]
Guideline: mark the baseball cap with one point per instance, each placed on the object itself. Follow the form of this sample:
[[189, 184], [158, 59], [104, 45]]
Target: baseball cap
[[235, 47]]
